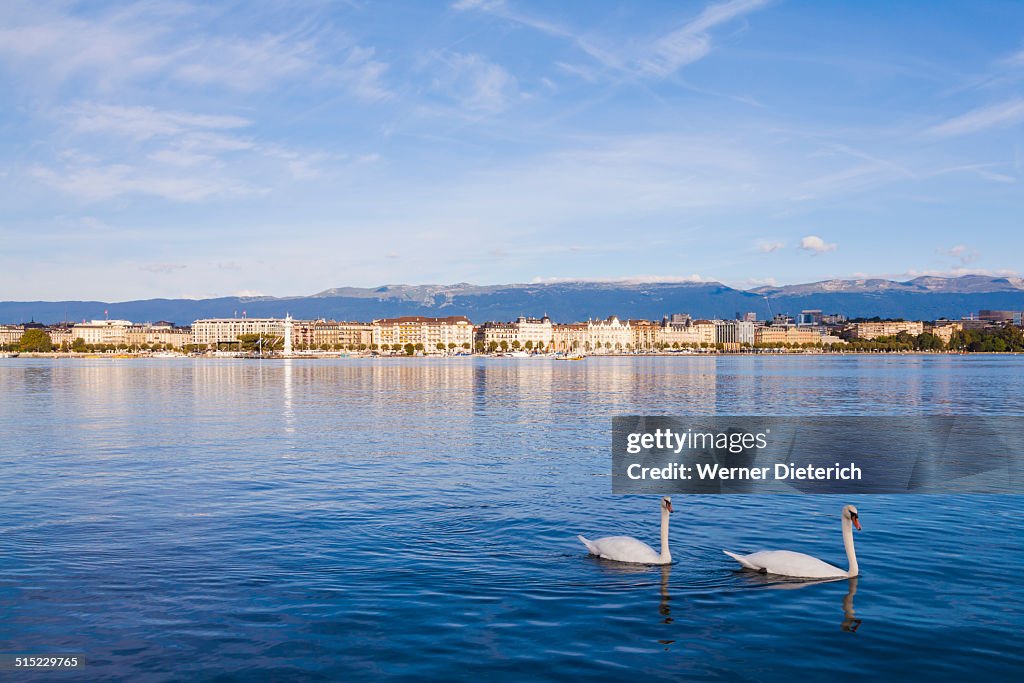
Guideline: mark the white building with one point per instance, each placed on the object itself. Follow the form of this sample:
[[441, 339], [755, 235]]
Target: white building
[[434, 334], [604, 336], [103, 331], [734, 332], [534, 333], [213, 331]]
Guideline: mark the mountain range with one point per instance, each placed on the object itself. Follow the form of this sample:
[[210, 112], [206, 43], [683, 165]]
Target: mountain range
[[923, 298]]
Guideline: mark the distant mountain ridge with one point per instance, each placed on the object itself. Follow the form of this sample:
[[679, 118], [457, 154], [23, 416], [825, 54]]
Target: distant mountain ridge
[[965, 284], [925, 298]]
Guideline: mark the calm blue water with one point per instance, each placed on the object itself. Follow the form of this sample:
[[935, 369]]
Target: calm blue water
[[357, 519]]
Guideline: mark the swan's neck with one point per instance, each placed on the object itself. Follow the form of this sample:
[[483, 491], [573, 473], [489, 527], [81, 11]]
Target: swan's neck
[[851, 554], [666, 556]]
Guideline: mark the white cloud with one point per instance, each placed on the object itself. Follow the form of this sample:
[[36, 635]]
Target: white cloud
[[143, 123], [755, 282], [984, 171], [477, 84], [687, 44], [99, 183], [477, 4], [692, 41], [628, 280], [175, 155], [1014, 60], [816, 245], [162, 268], [993, 116], [767, 246], [962, 253], [959, 272], [149, 40]]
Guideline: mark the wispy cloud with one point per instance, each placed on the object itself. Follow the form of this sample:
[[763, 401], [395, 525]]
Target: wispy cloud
[[769, 246], [815, 245], [1014, 60], [628, 279], [960, 272], [103, 182], [665, 55], [962, 253], [996, 115], [692, 41], [143, 123], [475, 83], [141, 41], [162, 268]]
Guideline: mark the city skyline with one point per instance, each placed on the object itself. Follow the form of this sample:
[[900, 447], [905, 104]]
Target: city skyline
[[191, 151]]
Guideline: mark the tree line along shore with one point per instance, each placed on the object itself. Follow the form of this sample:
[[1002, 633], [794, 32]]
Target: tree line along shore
[[1005, 339]]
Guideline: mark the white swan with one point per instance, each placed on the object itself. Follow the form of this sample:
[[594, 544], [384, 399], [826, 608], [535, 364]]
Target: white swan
[[628, 549], [788, 563]]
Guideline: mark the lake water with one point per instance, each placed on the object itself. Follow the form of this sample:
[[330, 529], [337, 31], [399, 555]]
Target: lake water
[[416, 518]]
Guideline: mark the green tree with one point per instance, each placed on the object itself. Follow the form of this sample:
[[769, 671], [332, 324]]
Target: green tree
[[256, 342], [410, 349], [35, 341]]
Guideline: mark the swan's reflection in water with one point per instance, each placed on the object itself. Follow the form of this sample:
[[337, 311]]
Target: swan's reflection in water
[[664, 609], [665, 597], [850, 622]]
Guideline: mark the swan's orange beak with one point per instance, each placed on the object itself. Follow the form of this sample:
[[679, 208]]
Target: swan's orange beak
[[856, 523]]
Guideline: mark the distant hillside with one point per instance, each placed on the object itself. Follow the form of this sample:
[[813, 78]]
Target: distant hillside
[[922, 298]]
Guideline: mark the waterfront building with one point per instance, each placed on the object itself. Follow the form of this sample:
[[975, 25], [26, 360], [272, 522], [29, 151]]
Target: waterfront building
[[453, 332], [164, 333], [779, 335], [734, 334], [828, 338], [109, 332], [497, 335], [645, 334], [609, 335], [682, 332], [945, 330], [331, 334], [570, 338], [61, 335], [533, 333], [538, 331], [885, 328], [211, 332], [11, 334]]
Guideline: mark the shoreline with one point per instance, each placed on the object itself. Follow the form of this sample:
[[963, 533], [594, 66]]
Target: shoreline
[[329, 356]]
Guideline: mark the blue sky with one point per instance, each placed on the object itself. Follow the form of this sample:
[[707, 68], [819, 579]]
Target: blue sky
[[174, 149]]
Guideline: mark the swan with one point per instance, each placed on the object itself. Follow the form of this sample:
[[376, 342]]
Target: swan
[[788, 563], [628, 549]]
